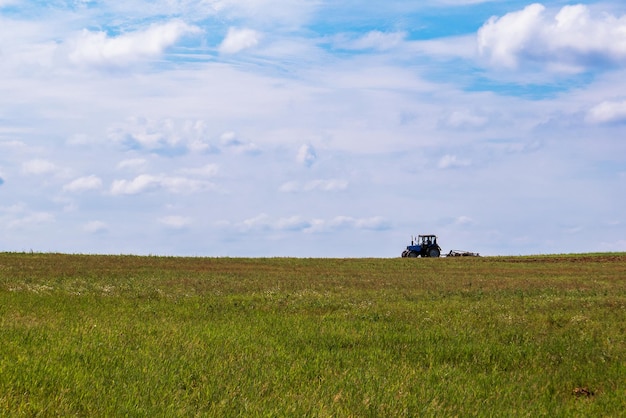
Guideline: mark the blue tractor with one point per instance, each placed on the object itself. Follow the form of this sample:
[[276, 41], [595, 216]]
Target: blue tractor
[[425, 246]]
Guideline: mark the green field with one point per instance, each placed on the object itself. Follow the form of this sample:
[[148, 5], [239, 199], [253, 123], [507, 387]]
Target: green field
[[87, 335]]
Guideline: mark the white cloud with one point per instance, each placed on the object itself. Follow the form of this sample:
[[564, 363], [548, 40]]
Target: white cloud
[[465, 119], [97, 48], [375, 223], [13, 209], [163, 135], [306, 155], [84, 184], [290, 187], [38, 166], [293, 223], [608, 112], [13, 145], [31, 218], [175, 222], [259, 222], [132, 163], [464, 220], [208, 170], [502, 39], [572, 39], [452, 161], [185, 185], [146, 183], [79, 139], [237, 40], [139, 184], [264, 222], [375, 40], [332, 185], [229, 140], [94, 227]]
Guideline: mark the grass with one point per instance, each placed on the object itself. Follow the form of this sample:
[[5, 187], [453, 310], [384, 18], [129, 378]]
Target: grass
[[164, 336]]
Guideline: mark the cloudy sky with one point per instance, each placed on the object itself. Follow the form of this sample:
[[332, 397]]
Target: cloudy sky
[[312, 128]]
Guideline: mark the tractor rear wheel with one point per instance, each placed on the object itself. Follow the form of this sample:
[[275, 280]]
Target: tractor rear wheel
[[433, 252]]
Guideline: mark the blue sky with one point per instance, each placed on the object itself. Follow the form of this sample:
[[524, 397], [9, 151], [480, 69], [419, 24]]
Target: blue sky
[[312, 128]]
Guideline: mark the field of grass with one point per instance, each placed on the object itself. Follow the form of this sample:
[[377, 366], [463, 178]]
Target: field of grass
[[87, 335]]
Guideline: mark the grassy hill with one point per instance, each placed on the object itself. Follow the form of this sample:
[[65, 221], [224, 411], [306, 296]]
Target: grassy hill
[[93, 335]]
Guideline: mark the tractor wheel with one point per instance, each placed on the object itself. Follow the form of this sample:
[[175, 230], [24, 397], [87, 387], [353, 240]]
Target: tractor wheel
[[433, 252], [413, 254]]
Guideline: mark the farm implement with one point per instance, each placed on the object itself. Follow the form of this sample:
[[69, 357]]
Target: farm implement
[[459, 253]]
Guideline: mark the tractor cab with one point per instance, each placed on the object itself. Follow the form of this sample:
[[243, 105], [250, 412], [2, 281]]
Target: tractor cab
[[427, 240]]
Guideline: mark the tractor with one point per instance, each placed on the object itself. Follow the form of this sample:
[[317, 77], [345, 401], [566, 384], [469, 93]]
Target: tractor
[[425, 246]]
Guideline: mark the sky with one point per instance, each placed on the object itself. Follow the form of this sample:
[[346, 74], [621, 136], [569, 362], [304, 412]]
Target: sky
[[312, 128]]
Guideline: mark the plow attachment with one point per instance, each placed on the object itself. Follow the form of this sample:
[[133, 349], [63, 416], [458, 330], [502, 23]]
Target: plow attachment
[[459, 253]]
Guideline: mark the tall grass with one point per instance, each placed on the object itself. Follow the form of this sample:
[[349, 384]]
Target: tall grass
[[158, 336]]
